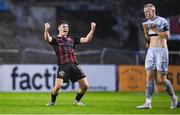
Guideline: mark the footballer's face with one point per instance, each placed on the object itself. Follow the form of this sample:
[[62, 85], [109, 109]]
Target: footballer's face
[[149, 12], [63, 29]]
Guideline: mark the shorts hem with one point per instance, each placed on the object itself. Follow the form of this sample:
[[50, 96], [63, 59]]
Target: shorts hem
[[150, 69], [73, 81], [163, 72]]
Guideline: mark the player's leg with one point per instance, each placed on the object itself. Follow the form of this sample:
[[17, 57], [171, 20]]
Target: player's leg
[[169, 89], [78, 76], [149, 85], [54, 92], [83, 83], [149, 89], [162, 68], [150, 74]]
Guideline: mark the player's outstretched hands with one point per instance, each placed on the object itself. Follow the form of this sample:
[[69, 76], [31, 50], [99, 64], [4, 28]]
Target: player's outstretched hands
[[93, 25], [47, 26]]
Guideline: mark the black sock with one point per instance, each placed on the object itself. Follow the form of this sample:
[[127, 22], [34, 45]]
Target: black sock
[[53, 97], [79, 96]]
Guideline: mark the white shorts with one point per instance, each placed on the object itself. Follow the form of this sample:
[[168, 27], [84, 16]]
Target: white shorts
[[157, 59]]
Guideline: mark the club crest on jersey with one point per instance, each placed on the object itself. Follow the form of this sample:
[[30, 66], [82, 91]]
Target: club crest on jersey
[[79, 66], [61, 73]]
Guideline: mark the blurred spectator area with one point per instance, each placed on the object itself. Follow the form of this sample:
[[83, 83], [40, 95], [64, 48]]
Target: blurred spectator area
[[4, 5], [118, 38]]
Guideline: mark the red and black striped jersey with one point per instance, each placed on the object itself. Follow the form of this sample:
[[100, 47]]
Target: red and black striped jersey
[[65, 49]]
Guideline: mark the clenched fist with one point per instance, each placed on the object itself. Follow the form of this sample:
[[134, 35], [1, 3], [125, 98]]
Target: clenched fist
[[47, 26], [93, 25]]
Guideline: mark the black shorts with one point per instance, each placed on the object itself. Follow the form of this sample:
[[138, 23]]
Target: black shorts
[[70, 72]]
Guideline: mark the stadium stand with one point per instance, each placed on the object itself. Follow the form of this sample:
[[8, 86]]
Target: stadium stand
[[22, 44]]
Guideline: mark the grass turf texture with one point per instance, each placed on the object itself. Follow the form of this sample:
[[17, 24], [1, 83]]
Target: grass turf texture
[[96, 103]]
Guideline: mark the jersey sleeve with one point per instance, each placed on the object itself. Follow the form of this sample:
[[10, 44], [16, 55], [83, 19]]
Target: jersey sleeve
[[53, 41], [164, 25]]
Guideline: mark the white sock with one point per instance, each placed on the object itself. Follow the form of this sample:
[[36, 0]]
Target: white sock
[[174, 97], [148, 100]]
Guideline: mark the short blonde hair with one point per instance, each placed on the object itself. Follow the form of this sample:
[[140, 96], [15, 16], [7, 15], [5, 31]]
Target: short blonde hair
[[150, 5]]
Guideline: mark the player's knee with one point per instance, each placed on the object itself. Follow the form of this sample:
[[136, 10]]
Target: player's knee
[[85, 87], [160, 82], [163, 81], [149, 84], [57, 87]]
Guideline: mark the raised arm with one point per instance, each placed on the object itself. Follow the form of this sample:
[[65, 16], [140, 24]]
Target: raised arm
[[47, 37], [89, 35]]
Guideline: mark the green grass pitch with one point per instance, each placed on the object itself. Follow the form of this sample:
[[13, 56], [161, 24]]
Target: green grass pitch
[[96, 103]]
